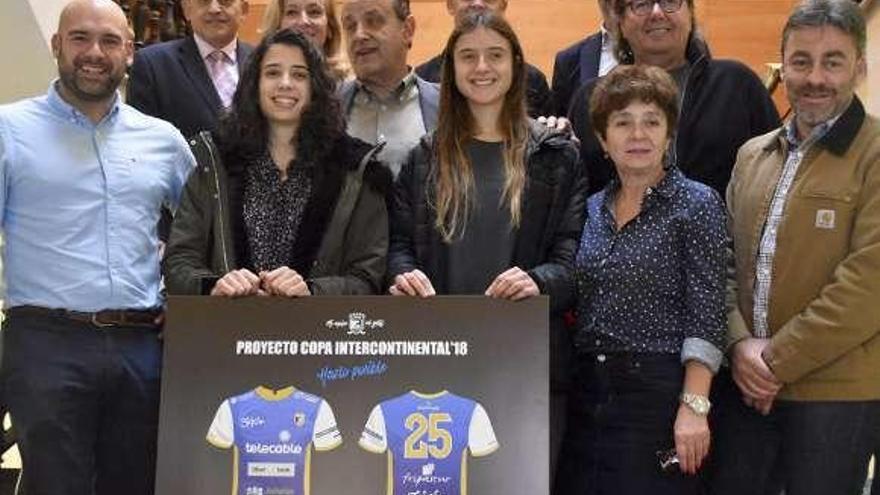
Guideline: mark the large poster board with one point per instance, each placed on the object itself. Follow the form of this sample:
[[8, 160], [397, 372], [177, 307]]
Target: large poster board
[[349, 355]]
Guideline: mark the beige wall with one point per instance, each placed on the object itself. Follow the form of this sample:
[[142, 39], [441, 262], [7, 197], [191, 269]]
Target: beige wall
[[27, 65]]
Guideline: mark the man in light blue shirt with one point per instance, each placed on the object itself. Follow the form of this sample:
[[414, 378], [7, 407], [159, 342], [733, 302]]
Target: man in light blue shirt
[[82, 180]]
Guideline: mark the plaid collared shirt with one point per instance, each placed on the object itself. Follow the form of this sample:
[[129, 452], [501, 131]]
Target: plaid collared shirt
[[395, 120], [767, 249]]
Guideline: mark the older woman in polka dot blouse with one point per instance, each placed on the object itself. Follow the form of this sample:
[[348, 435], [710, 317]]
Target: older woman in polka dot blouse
[[651, 318]]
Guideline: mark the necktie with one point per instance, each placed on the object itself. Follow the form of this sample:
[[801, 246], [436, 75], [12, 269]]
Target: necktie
[[224, 75]]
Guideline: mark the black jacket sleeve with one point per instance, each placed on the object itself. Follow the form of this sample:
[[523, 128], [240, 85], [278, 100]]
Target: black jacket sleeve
[[187, 264], [139, 90], [402, 218], [555, 275]]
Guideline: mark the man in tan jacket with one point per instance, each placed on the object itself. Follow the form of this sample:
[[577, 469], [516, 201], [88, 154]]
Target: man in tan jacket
[[802, 411]]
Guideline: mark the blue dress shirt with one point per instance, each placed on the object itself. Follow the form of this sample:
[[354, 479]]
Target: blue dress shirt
[[80, 202], [657, 284]]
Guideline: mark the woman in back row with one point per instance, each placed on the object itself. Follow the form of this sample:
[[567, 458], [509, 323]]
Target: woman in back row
[[317, 21]]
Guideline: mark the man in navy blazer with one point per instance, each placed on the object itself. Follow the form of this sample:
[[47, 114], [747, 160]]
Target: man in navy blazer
[[590, 57], [174, 80]]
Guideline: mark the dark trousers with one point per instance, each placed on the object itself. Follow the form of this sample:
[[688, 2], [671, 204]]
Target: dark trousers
[[85, 404], [622, 413], [558, 415], [803, 448]]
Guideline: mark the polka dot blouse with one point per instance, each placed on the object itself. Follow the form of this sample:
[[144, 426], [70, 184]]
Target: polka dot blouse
[[657, 284]]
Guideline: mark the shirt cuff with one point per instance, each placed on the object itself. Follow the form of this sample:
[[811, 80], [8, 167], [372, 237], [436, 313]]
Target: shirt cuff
[[696, 349]]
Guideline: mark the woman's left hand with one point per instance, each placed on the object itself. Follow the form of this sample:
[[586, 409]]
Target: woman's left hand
[[692, 439], [284, 282], [513, 284]]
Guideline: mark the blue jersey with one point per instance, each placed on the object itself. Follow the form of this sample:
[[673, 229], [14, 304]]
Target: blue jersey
[[272, 434], [428, 438]]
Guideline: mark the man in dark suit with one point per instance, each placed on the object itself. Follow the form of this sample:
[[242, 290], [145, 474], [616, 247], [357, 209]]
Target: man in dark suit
[[537, 90], [190, 81], [590, 57]]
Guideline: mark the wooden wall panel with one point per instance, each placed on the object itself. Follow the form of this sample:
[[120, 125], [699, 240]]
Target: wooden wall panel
[[250, 30], [747, 30]]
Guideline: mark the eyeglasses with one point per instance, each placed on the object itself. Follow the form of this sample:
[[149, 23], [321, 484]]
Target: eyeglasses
[[644, 7]]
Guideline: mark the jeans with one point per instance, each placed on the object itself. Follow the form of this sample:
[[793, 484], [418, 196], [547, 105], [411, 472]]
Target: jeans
[[803, 448], [85, 403], [622, 413]]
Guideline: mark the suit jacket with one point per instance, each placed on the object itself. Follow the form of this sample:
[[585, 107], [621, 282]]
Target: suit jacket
[[537, 90], [574, 66], [429, 100], [170, 81]]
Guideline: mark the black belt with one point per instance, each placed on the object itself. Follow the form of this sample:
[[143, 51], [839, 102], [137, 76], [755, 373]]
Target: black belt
[[149, 318]]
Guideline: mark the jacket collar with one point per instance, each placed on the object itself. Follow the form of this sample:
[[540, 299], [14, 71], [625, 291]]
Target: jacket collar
[[697, 55], [841, 135]]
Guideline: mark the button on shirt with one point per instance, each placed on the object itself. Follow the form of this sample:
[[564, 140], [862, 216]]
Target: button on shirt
[[80, 202], [767, 248], [396, 120], [657, 284]]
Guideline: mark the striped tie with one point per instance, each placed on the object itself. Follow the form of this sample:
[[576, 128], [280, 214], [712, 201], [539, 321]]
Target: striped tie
[[224, 75]]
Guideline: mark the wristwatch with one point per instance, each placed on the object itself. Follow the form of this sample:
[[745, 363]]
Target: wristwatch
[[699, 404]]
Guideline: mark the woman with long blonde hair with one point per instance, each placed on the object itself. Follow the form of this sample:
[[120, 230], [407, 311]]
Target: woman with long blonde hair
[[490, 203], [317, 21]]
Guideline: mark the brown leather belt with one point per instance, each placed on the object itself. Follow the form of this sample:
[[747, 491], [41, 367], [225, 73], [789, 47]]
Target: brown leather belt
[[101, 319]]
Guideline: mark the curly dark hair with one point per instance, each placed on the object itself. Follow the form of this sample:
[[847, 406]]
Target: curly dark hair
[[243, 133]]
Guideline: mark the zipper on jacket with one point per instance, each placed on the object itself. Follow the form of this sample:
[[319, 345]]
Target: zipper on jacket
[[220, 214], [684, 95]]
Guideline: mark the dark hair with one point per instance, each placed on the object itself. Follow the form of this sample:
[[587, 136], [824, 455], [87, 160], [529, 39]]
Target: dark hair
[[401, 9], [622, 48], [455, 126], [243, 130], [628, 83], [842, 14]]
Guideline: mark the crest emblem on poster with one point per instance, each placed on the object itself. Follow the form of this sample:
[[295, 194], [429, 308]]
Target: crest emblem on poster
[[357, 323], [299, 419]]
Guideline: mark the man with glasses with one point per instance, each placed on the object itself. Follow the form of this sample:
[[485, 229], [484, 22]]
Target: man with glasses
[[801, 411], [723, 103], [190, 82]]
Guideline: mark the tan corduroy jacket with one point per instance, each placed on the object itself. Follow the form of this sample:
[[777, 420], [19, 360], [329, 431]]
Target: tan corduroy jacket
[[824, 311]]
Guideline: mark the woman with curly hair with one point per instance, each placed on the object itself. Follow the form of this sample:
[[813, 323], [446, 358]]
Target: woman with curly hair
[[285, 203]]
